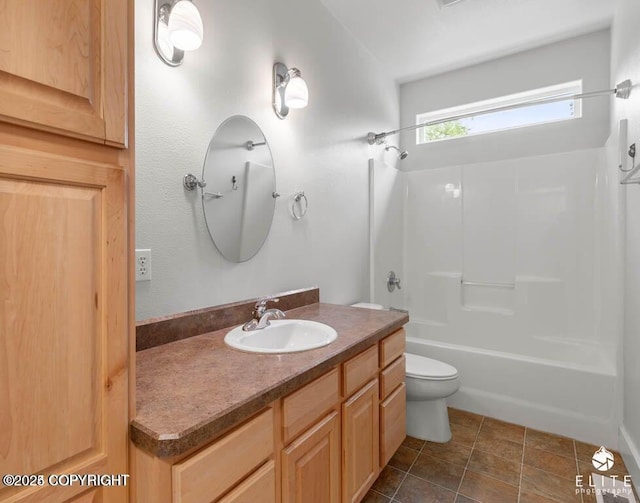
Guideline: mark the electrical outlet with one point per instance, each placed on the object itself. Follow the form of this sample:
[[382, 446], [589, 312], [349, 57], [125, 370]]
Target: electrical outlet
[[143, 265]]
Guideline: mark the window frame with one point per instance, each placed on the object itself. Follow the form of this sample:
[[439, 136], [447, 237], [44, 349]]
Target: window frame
[[563, 89]]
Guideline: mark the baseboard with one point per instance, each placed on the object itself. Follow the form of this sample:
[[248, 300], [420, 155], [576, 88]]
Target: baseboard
[[540, 417], [631, 455]]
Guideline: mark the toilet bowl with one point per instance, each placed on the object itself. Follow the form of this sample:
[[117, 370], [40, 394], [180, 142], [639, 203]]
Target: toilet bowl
[[429, 382]]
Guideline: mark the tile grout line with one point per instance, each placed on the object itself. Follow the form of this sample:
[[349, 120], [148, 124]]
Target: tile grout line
[[474, 448], [422, 478], [555, 453], [464, 473], [393, 496], [392, 499], [524, 448], [575, 453], [484, 474], [377, 492]]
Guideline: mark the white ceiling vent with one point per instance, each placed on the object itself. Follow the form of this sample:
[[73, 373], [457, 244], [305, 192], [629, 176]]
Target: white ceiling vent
[[448, 3]]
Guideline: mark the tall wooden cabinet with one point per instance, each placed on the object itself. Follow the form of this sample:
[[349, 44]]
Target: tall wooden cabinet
[[63, 67], [66, 170]]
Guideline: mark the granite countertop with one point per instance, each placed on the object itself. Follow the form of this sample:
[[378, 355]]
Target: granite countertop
[[190, 391]]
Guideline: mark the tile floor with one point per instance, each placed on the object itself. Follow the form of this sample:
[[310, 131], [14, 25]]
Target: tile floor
[[488, 461]]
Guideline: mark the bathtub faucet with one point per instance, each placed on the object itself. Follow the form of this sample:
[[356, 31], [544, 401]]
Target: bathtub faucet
[[393, 281]]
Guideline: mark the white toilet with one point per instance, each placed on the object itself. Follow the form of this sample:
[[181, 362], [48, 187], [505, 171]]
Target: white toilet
[[429, 382]]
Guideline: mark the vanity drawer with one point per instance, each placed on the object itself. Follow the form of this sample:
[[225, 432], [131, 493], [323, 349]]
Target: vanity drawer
[[260, 486], [304, 407], [392, 347], [393, 423], [392, 377], [360, 370], [213, 471]]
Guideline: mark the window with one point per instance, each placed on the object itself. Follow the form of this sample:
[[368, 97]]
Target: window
[[507, 119]]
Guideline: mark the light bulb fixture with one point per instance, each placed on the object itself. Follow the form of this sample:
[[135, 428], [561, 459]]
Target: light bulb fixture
[[177, 28], [289, 90]]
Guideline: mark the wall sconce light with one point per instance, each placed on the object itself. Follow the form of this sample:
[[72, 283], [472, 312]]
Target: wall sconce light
[[177, 28], [289, 90]]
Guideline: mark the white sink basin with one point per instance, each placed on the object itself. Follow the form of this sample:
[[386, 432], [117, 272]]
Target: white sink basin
[[282, 336]]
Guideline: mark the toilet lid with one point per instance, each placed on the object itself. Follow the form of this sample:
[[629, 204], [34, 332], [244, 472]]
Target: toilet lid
[[422, 367]]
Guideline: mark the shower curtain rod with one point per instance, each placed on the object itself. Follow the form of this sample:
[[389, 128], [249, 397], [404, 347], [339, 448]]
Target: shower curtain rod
[[622, 90]]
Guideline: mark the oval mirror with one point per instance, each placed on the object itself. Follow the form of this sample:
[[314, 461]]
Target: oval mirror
[[239, 197]]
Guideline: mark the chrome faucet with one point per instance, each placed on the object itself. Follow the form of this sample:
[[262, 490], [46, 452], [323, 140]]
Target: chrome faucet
[[261, 315]]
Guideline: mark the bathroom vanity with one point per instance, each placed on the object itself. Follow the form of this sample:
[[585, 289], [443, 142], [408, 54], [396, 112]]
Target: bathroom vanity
[[219, 425]]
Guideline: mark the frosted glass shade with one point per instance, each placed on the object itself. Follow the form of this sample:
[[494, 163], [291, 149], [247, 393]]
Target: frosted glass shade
[[185, 26], [296, 94]]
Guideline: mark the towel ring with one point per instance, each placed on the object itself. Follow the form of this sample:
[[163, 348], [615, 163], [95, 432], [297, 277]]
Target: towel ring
[[298, 208]]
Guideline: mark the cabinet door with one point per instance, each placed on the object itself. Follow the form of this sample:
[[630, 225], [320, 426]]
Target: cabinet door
[[311, 465], [63, 324], [393, 423], [360, 442], [63, 67]]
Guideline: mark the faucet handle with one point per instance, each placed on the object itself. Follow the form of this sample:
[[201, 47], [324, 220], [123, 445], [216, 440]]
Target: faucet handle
[[261, 305], [263, 302]]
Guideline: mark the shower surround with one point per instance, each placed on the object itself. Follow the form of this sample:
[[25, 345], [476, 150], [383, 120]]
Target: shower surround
[[504, 279]]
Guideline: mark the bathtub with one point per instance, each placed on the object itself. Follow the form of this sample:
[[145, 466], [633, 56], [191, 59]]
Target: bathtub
[[560, 386]]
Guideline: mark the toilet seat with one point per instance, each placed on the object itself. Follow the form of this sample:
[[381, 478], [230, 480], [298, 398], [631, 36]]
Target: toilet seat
[[421, 367]]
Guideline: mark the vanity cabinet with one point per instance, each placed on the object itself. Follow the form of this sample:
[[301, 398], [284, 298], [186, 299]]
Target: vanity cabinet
[[324, 443]]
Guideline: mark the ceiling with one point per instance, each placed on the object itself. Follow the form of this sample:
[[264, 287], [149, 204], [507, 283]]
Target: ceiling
[[419, 38]]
